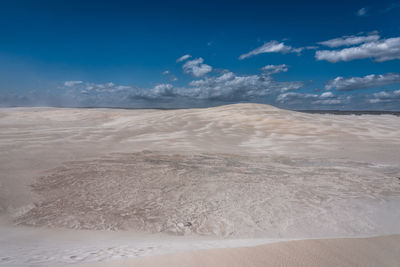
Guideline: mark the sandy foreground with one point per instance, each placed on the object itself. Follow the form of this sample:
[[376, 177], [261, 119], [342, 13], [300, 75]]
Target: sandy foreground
[[90, 185], [376, 251]]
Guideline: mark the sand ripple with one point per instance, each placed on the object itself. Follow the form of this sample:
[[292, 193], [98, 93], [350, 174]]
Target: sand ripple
[[217, 194]]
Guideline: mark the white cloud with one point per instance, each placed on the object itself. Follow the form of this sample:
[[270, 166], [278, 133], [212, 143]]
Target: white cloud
[[99, 88], [385, 96], [72, 83], [270, 47], [232, 87], [381, 50], [226, 87], [164, 89], [196, 67], [350, 40], [285, 97], [327, 95], [122, 87], [329, 101], [183, 58], [355, 83], [166, 72], [362, 12], [272, 69], [326, 98], [274, 47]]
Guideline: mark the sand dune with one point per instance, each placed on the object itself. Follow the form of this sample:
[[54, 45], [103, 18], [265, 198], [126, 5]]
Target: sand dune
[[236, 171]]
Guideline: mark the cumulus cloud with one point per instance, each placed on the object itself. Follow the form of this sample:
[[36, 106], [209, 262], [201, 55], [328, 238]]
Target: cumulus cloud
[[368, 81], [164, 89], [97, 88], [385, 96], [362, 12], [196, 67], [380, 50], [275, 47], [230, 86], [110, 94], [285, 97], [308, 99], [350, 40], [226, 87], [183, 58]]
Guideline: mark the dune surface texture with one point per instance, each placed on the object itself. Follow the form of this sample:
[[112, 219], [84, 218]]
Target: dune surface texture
[[90, 185], [376, 251]]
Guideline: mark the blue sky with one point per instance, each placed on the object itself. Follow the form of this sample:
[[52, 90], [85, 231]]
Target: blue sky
[[299, 55]]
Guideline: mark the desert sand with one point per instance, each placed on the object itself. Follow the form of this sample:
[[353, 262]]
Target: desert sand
[[89, 185], [376, 251]]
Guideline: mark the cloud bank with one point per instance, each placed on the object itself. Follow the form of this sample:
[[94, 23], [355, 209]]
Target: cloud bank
[[324, 99], [350, 40], [379, 50], [385, 96], [356, 83], [232, 87], [222, 88]]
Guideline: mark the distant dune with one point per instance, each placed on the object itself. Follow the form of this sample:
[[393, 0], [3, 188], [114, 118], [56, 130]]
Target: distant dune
[[237, 171]]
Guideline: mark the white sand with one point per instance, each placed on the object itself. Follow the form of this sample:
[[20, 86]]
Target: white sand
[[377, 251], [227, 174]]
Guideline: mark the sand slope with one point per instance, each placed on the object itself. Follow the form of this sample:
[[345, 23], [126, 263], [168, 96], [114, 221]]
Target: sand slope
[[236, 171], [33, 140], [376, 251], [224, 195]]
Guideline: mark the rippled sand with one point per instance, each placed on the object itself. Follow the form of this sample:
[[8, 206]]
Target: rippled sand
[[232, 172], [218, 194]]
